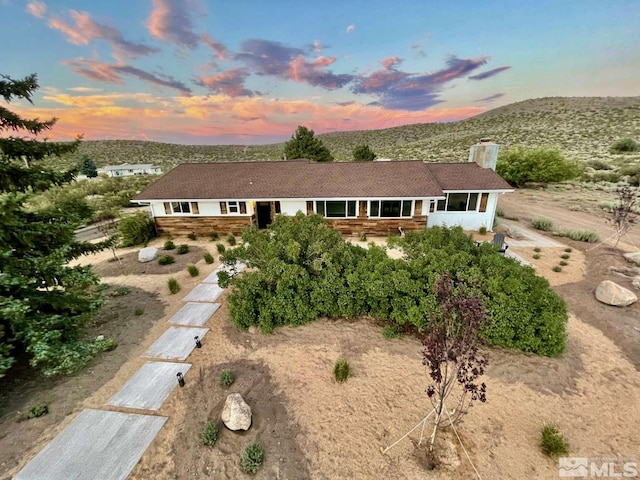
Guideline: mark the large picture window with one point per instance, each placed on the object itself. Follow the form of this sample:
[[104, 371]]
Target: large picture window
[[336, 208], [180, 207], [459, 202], [390, 208]]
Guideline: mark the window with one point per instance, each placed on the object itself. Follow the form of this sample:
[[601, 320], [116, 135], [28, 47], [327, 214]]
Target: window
[[233, 208], [390, 208], [180, 207], [336, 209], [459, 202]]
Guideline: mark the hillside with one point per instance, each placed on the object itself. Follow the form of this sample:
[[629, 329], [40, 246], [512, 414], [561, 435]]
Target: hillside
[[583, 127]]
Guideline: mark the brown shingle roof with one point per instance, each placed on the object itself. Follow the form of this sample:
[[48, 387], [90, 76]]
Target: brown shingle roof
[[305, 179], [467, 176]]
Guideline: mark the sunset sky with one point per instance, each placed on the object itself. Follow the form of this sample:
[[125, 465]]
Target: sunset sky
[[250, 71]]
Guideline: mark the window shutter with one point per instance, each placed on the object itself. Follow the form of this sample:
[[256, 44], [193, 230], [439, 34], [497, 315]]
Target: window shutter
[[167, 208], [223, 208], [309, 208], [278, 210], [243, 207], [417, 211], [194, 208], [483, 202]]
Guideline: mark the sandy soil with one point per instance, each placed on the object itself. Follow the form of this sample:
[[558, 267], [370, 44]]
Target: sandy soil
[[556, 204], [314, 428]]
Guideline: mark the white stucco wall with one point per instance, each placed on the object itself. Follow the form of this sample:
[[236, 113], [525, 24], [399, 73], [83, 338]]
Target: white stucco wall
[[291, 207], [207, 209], [467, 220]]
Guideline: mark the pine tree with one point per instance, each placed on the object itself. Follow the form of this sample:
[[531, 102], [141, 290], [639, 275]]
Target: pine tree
[[88, 167], [304, 144], [44, 303], [363, 153]]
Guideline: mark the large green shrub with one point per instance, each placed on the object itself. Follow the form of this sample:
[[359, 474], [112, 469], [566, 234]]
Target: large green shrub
[[552, 442], [136, 229], [625, 145], [302, 270], [519, 167]]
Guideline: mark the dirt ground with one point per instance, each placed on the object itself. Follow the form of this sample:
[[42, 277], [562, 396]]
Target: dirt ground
[[575, 208], [314, 428]]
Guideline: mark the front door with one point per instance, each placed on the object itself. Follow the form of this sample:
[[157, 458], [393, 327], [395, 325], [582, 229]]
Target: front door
[[264, 214]]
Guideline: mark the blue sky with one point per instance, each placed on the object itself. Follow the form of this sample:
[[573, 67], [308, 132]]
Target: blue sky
[[245, 71]]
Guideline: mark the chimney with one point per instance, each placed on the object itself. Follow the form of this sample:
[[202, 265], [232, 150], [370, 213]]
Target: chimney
[[484, 153]]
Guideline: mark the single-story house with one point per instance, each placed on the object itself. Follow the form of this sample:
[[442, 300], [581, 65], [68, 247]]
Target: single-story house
[[371, 197], [128, 169]]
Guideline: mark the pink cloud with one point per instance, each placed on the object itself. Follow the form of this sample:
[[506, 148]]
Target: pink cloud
[[350, 28], [37, 9], [171, 21], [219, 49], [391, 62], [85, 29], [230, 83]]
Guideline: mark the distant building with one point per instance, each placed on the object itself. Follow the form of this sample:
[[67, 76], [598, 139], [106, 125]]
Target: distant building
[[128, 169]]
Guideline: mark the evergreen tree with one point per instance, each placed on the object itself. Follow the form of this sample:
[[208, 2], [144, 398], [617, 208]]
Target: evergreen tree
[[88, 167], [363, 153], [44, 303], [304, 144]]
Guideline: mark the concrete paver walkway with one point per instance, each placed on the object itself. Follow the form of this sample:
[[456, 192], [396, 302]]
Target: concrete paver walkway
[[533, 239], [195, 314], [177, 343], [97, 445]]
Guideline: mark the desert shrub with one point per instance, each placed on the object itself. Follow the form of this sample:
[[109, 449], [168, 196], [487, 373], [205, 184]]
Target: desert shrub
[[537, 249], [221, 248], [37, 410], [138, 311], [208, 258], [482, 230], [120, 291], [562, 263], [557, 268], [193, 270], [542, 223], [213, 235], [192, 236], [565, 256], [568, 249], [174, 286], [611, 177], [589, 236], [552, 442], [499, 212], [391, 331], [536, 256], [136, 229], [519, 167], [252, 458], [362, 236], [625, 145], [231, 239], [169, 245], [599, 165], [167, 235], [209, 434], [166, 259], [341, 370], [182, 249], [302, 270], [226, 378]]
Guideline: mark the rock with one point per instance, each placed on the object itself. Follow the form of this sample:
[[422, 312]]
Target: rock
[[632, 257], [99, 338], [252, 330], [147, 254], [636, 282], [613, 294], [625, 271], [236, 414], [515, 233]]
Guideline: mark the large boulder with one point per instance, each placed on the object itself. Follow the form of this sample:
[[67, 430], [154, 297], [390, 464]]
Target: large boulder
[[632, 257], [147, 254], [636, 282], [236, 414], [613, 294]]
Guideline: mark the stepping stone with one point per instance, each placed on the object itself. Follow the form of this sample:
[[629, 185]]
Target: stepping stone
[[205, 292], [176, 343], [96, 444], [213, 276], [195, 313], [150, 386]]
